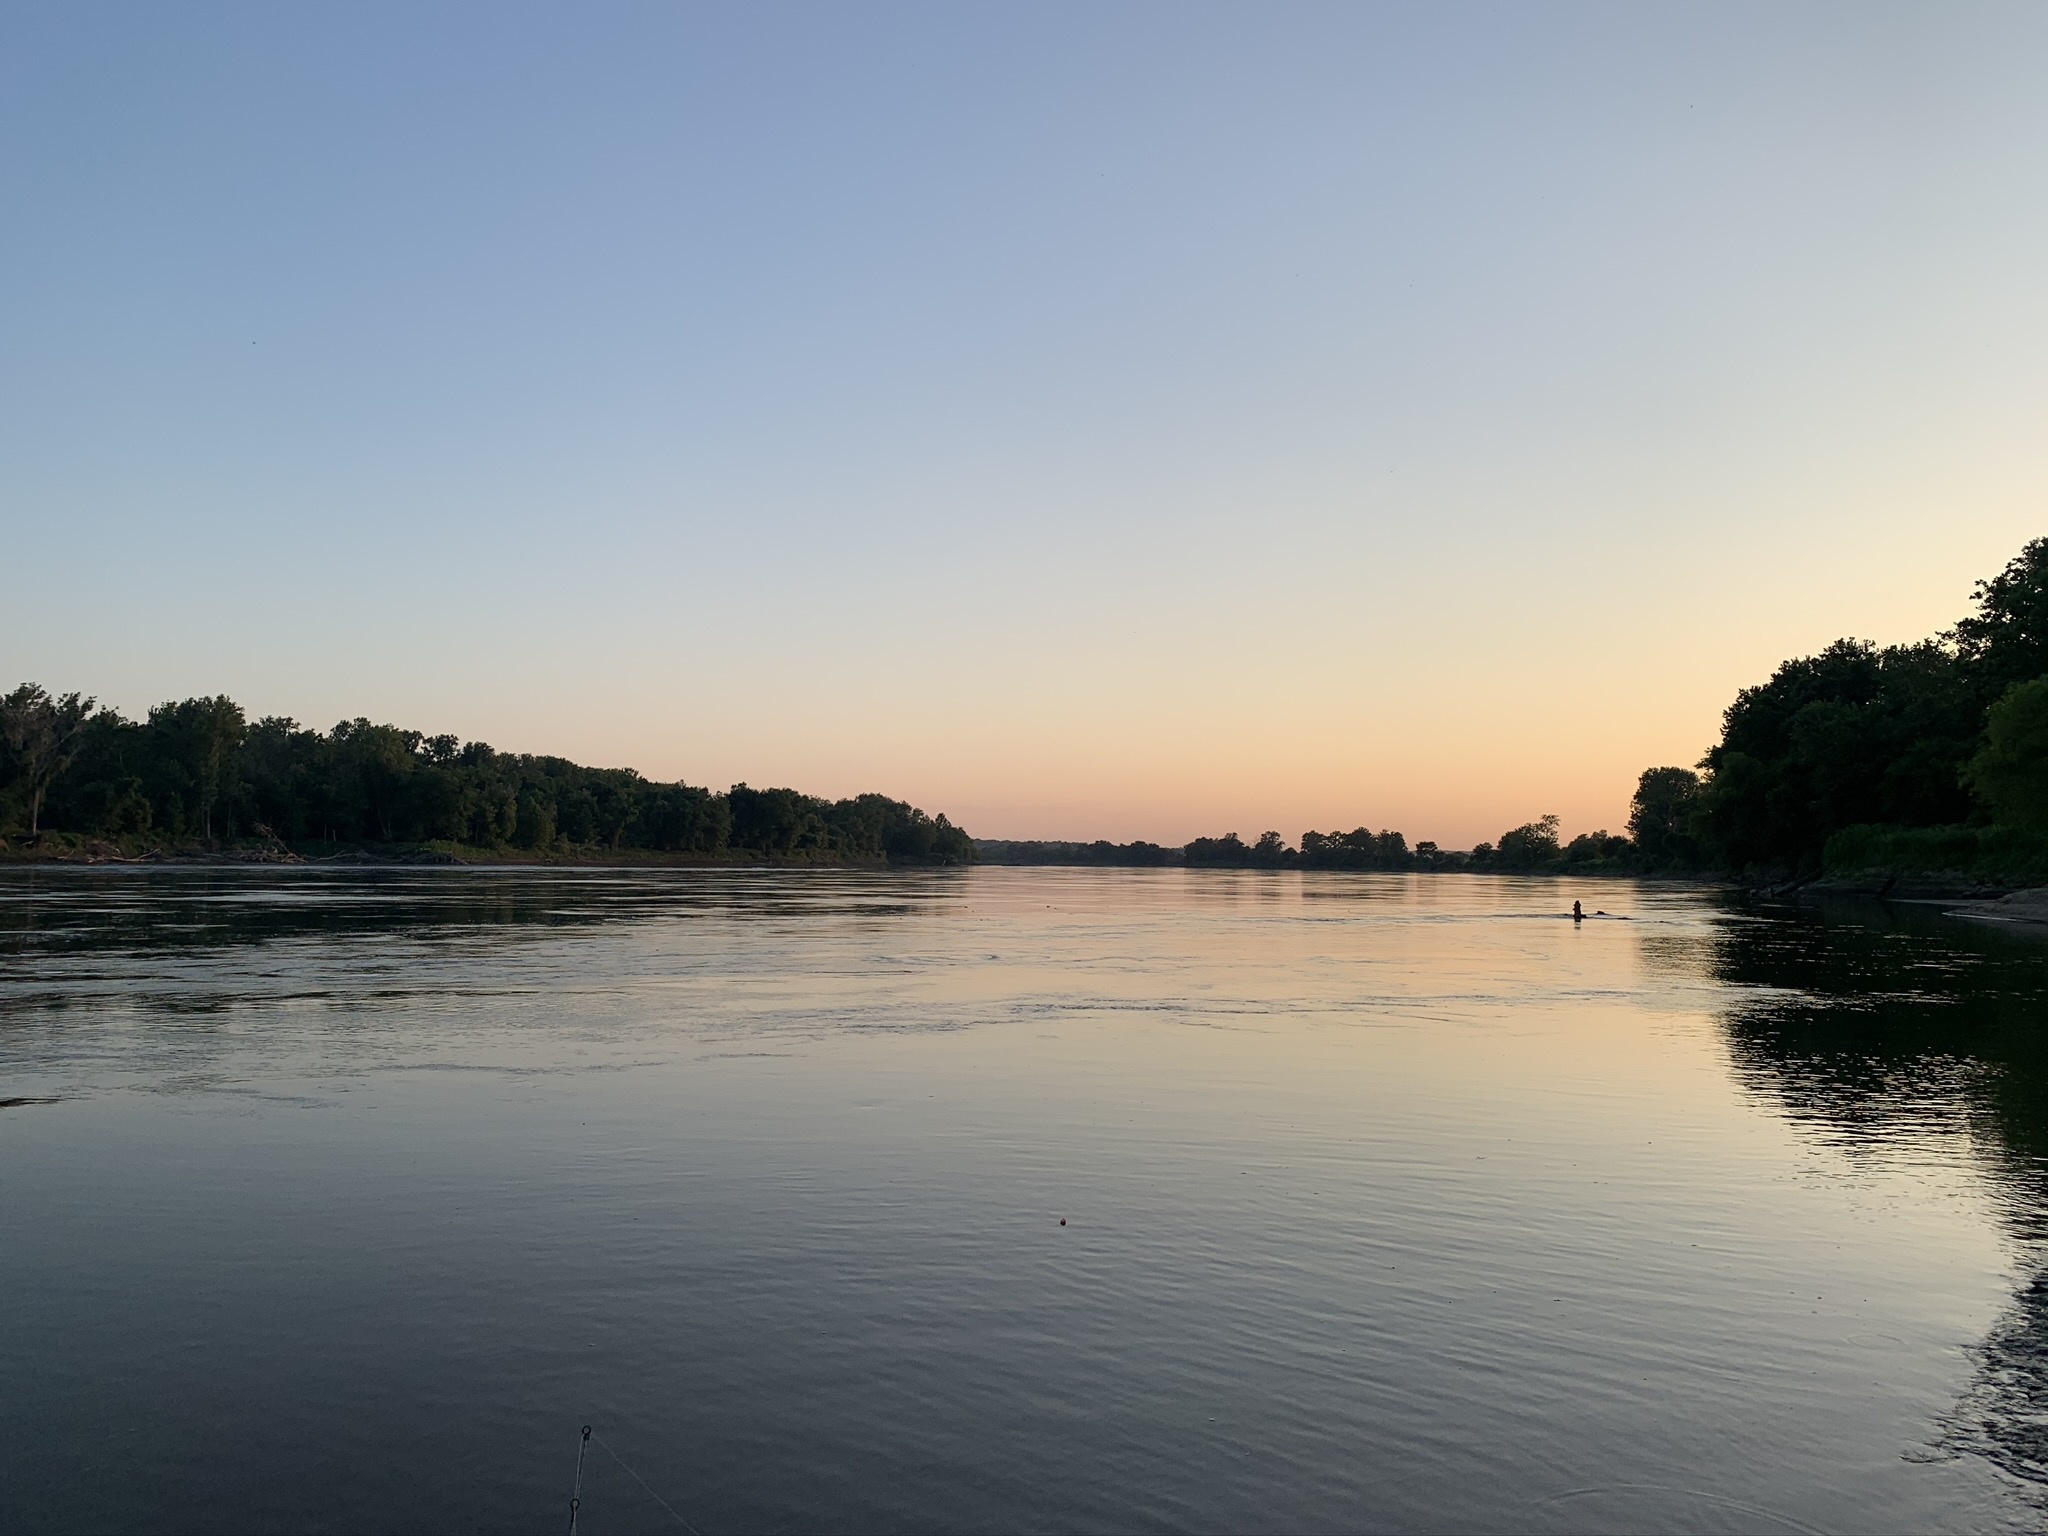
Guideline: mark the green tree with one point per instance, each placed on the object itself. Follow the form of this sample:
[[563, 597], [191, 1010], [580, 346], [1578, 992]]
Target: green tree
[[44, 735], [281, 768], [775, 821], [682, 818], [2010, 774], [535, 824], [104, 790], [200, 736], [384, 760], [197, 768]]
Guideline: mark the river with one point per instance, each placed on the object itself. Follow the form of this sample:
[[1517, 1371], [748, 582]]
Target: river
[[1007, 1200]]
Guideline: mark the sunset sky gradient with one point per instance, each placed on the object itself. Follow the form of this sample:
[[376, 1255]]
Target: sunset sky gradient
[[1127, 421]]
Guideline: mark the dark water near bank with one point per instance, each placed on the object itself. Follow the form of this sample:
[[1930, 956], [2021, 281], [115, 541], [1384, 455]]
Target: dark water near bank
[[338, 1201]]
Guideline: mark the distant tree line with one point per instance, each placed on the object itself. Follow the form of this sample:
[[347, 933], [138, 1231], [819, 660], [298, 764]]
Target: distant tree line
[[1522, 849], [1930, 756], [198, 772], [999, 850]]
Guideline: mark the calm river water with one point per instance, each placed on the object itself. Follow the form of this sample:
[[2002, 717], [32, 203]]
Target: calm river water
[[341, 1200]]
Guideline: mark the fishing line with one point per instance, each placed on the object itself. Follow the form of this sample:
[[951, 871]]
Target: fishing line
[[576, 1493], [664, 1503]]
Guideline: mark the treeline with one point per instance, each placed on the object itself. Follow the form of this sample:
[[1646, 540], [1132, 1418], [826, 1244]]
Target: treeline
[[1001, 850], [1533, 846], [1930, 756], [1904, 758], [197, 772], [1524, 849]]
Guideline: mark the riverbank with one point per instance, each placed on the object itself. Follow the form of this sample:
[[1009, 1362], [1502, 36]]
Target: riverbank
[[67, 848], [2024, 910], [61, 848]]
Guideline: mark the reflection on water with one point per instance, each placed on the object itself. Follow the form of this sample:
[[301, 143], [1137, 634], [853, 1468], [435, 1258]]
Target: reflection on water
[[1880, 1020], [48, 915], [339, 1199]]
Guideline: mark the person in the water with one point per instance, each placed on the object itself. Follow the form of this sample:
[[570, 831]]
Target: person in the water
[[1578, 915]]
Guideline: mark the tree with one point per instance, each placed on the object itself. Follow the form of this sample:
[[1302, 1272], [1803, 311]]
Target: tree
[[774, 821], [2006, 639], [1360, 848], [1660, 817], [202, 736], [1229, 849], [2010, 774], [682, 818], [1533, 845], [44, 734], [1270, 851], [374, 765], [104, 789], [1600, 847], [535, 824], [197, 768], [1853, 735]]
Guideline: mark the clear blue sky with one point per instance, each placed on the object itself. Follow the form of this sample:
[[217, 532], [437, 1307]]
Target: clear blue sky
[[1089, 420]]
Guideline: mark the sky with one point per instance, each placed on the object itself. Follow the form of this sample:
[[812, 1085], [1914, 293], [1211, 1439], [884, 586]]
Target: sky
[[1086, 420]]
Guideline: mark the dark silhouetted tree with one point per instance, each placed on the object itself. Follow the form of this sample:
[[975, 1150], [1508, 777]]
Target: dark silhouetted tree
[[1533, 845], [2010, 774], [43, 733], [197, 740], [2006, 640], [1660, 818]]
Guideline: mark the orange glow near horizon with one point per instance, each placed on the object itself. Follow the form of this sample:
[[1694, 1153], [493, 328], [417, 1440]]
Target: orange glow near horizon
[[1434, 438]]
